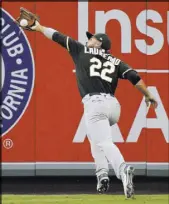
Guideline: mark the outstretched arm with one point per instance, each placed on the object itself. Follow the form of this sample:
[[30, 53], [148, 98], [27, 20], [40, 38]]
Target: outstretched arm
[[53, 34], [30, 21], [67, 42]]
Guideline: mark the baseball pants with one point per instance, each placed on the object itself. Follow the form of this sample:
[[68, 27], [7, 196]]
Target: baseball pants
[[102, 111]]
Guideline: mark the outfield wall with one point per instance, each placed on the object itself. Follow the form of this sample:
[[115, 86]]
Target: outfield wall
[[43, 130]]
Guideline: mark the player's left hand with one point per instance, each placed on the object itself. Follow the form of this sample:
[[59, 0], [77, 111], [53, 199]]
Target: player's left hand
[[152, 100], [31, 19]]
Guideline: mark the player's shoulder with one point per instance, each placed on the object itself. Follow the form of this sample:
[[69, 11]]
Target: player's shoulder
[[119, 61], [123, 64], [115, 60], [74, 42]]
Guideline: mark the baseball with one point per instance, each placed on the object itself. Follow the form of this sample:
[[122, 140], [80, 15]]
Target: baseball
[[23, 22]]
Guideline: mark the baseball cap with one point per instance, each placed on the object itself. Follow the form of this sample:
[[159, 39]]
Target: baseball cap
[[102, 37]]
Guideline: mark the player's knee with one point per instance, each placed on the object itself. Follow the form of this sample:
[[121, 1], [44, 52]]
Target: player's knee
[[104, 145], [96, 118]]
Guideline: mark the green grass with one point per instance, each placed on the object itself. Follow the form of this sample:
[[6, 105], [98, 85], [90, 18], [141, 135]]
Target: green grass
[[83, 199]]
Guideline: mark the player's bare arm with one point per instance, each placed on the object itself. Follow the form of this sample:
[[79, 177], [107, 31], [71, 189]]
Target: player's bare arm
[[126, 72], [136, 80], [39, 28], [148, 96]]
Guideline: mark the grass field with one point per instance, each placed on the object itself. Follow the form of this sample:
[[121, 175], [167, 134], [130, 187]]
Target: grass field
[[83, 199]]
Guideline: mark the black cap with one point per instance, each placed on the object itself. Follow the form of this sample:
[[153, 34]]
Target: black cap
[[102, 37]]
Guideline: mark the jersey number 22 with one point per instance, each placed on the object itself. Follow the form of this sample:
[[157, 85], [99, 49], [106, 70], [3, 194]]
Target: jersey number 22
[[108, 67]]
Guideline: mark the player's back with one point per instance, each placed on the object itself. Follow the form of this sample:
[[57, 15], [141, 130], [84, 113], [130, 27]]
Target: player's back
[[96, 71]]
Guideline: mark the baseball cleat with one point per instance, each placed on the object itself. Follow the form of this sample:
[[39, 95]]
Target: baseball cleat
[[127, 179], [102, 183]]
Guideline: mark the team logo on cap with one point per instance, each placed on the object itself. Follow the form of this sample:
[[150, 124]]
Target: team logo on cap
[[17, 73]]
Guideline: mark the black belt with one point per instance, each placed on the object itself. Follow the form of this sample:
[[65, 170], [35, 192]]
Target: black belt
[[97, 93]]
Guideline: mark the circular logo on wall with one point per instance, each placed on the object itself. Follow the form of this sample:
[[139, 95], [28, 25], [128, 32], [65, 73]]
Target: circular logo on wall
[[17, 73]]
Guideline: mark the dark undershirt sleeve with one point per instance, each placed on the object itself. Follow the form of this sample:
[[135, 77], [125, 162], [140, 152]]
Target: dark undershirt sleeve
[[67, 42]]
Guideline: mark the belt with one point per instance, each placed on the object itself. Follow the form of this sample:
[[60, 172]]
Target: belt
[[97, 93]]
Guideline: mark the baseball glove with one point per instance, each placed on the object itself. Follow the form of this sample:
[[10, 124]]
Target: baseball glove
[[30, 17]]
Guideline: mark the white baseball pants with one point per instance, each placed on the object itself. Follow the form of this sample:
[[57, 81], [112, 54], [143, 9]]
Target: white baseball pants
[[102, 111]]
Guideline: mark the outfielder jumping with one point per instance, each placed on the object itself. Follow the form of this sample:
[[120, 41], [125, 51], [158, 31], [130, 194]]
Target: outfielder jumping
[[97, 74]]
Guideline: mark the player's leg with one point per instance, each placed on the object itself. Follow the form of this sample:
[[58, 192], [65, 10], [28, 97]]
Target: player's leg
[[126, 172], [102, 168], [100, 131], [98, 125], [96, 112], [98, 155]]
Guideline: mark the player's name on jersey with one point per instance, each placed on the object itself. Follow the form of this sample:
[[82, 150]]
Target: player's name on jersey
[[101, 52]]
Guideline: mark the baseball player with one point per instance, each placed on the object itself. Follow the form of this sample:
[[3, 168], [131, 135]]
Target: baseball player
[[97, 74]]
